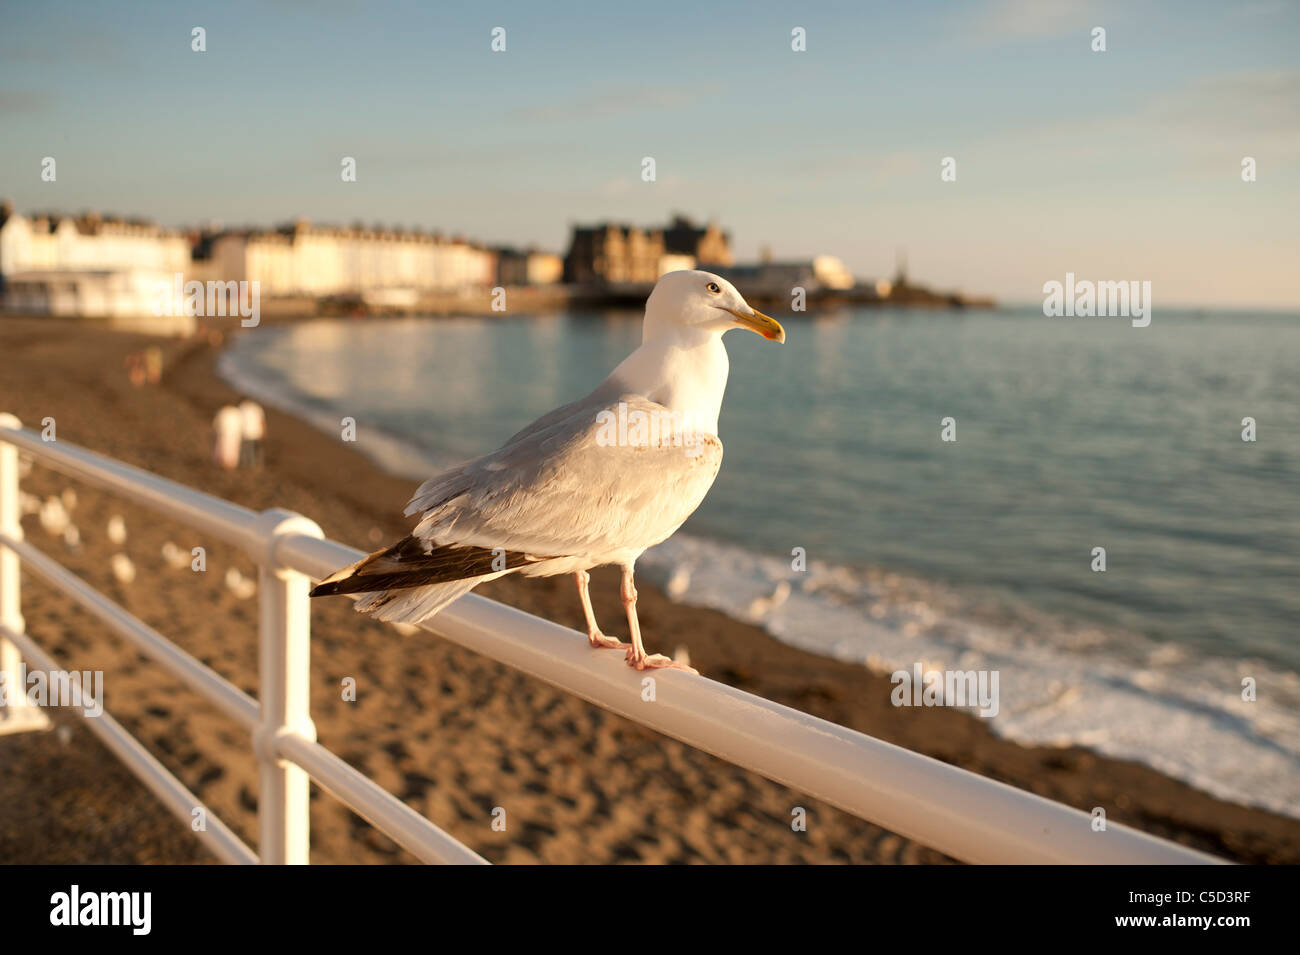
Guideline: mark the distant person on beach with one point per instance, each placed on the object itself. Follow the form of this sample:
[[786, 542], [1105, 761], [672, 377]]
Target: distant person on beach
[[153, 364], [254, 430], [135, 370], [228, 426]]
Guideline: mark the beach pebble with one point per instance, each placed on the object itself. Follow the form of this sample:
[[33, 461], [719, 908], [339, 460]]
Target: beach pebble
[[174, 556], [117, 529], [54, 517], [122, 567], [238, 585], [679, 583], [762, 606]]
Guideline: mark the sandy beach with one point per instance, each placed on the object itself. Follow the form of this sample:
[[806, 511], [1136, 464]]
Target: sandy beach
[[452, 733]]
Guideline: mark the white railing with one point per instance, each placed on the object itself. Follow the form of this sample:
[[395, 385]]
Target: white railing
[[957, 812]]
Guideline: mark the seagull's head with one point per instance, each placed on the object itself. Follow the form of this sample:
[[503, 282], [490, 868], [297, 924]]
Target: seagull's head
[[701, 301]]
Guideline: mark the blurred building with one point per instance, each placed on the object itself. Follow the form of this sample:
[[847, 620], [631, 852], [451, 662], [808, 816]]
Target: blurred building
[[819, 274], [528, 267], [86, 265], [613, 253], [832, 273], [675, 262], [708, 245], [307, 260]]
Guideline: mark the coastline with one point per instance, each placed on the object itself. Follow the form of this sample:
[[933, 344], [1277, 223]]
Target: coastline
[[452, 733], [541, 300]]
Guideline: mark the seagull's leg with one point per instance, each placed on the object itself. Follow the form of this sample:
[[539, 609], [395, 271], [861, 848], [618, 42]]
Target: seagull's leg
[[636, 655], [598, 639]]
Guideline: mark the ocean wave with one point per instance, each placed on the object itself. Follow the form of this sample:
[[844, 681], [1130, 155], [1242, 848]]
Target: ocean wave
[[1060, 683]]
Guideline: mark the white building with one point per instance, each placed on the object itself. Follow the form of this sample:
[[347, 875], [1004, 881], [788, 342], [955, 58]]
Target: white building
[[61, 265], [675, 262], [317, 261], [831, 273], [821, 273], [528, 267], [111, 268]]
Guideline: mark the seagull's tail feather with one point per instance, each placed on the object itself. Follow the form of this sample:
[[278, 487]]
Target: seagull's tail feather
[[416, 577], [414, 604]]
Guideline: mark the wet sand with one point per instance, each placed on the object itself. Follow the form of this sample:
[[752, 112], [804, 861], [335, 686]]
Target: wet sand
[[452, 733]]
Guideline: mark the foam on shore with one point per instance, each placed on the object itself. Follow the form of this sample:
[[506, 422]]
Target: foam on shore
[[1120, 695]]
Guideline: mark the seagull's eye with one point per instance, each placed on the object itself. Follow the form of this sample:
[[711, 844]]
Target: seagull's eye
[[713, 287]]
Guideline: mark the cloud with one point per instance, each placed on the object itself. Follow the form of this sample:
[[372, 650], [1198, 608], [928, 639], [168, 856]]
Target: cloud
[[623, 187], [23, 101], [101, 48], [605, 104], [1197, 131], [1252, 113], [867, 167], [1010, 19], [1236, 102]]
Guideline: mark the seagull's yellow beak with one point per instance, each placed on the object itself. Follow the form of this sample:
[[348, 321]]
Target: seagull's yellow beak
[[765, 325]]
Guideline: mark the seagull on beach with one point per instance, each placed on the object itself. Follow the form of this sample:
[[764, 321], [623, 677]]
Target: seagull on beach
[[594, 482]]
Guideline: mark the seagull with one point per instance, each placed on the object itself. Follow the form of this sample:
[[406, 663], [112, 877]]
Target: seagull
[[595, 482]]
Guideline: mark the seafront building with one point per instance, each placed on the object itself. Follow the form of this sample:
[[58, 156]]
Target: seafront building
[[108, 267], [313, 261], [608, 253], [821, 273], [96, 266], [86, 265], [708, 245], [619, 254], [528, 267]]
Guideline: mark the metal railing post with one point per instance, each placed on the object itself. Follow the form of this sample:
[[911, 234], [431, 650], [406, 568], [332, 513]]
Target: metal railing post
[[16, 715], [285, 648]]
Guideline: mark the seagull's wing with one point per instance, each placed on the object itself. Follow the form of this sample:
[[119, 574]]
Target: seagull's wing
[[579, 487], [582, 481]]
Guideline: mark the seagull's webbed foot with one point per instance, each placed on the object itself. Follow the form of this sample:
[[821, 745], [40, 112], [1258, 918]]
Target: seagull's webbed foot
[[636, 655], [655, 661], [601, 642], [597, 639]]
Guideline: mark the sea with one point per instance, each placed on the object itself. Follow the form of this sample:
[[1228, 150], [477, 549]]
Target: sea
[[932, 486]]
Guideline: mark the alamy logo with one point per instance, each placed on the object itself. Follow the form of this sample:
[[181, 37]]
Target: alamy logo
[[211, 300], [80, 688], [1086, 299], [946, 688], [74, 907], [636, 428]]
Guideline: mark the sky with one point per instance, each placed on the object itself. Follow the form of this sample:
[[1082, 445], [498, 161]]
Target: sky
[[1115, 165]]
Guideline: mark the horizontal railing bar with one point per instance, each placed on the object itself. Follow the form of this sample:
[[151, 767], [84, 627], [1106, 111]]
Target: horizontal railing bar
[[222, 519], [171, 792], [211, 685], [965, 815], [376, 805]]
